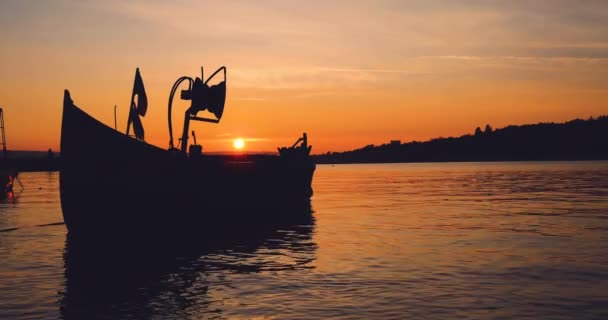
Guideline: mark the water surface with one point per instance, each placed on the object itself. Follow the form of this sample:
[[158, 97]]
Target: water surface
[[432, 241]]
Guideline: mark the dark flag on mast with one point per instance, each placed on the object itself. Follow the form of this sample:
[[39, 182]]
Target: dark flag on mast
[[140, 91], [137, 109]]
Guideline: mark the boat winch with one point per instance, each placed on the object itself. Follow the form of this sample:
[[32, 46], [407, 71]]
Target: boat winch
[[202, 97]]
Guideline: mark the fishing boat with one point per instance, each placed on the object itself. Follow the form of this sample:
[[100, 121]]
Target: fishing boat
[[116, 183]]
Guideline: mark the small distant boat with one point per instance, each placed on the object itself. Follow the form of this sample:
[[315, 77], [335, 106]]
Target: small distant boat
[[113, 183]]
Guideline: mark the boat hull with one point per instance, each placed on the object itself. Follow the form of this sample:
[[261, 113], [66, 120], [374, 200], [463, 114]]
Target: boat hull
[[110, 182]]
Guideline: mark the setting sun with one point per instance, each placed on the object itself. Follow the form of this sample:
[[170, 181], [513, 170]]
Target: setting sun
[[238, 144]]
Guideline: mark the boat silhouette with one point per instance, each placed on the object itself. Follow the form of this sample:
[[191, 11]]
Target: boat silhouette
[[115, 183]]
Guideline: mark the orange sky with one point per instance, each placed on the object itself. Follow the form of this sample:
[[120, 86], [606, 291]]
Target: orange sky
[[349, 73]]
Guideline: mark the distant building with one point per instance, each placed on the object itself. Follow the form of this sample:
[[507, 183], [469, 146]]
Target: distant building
[[395, 142]]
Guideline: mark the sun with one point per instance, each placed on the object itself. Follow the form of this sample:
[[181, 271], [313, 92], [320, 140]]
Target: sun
[[238, 144]]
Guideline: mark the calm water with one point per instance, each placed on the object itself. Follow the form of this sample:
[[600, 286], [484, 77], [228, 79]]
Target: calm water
[[430, 241]]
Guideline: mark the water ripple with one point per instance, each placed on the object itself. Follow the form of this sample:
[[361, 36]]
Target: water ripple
[[393, 241]]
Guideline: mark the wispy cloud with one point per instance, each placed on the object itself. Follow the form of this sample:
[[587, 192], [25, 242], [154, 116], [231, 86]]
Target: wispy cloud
[[321, 69], [246, 139], [237, 98]]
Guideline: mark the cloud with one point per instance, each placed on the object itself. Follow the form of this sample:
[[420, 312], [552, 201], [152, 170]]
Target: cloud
[[237, 98], [246, 139], [299, 78]]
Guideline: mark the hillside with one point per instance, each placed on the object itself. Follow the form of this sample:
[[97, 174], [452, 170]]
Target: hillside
[[573, 140]]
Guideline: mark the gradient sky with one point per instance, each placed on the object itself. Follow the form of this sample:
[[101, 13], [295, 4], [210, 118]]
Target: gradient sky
[[349, 73]]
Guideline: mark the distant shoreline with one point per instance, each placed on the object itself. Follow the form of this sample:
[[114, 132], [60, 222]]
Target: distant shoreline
[[31, 164], [570, 141], [575, 140]]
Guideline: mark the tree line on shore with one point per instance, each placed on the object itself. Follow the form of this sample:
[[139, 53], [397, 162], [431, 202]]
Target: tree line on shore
[[573, 140]]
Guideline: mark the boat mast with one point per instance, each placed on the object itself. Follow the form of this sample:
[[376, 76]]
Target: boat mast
[[3, 137]]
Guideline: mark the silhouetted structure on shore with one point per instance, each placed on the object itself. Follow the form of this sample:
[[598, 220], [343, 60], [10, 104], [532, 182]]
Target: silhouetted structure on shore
[[32, 163], [574, 140]]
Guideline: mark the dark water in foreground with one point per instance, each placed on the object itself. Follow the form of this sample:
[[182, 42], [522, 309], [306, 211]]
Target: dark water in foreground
[[442, 241]]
